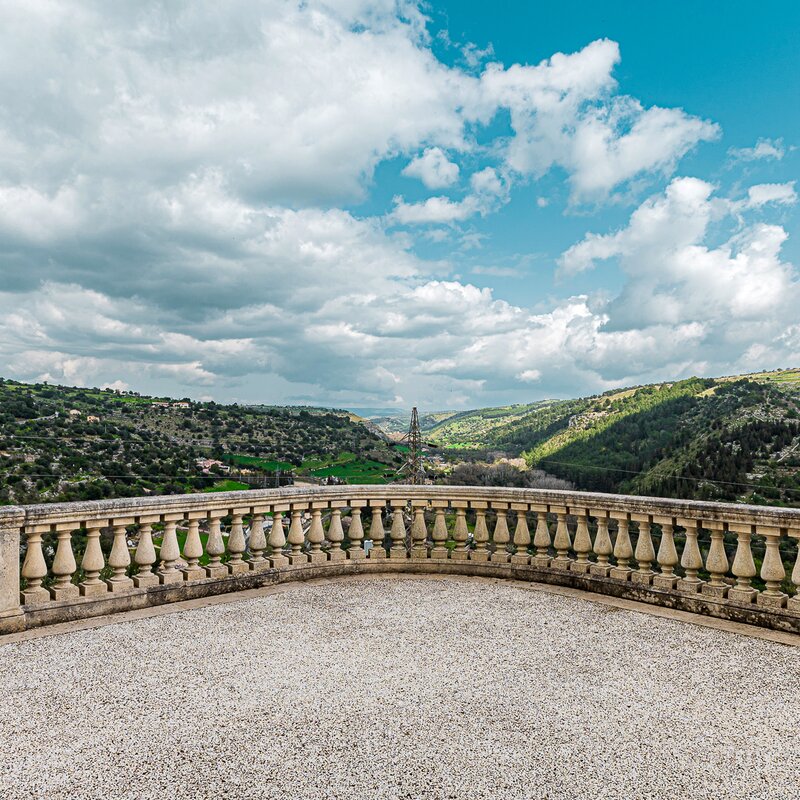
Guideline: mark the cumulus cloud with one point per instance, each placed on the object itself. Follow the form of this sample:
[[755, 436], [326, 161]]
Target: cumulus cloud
[[174, 185], [433, 168]]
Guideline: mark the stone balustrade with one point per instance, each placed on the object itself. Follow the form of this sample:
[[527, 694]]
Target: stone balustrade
[[64, 562]]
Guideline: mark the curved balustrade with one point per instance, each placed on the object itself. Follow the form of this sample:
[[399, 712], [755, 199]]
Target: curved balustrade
[[67, 561]]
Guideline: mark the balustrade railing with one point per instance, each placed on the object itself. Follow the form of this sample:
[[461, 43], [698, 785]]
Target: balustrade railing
[[66, 561]]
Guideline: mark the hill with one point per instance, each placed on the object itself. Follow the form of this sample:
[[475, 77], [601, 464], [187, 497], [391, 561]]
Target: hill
[[736, 437], [65, 443]]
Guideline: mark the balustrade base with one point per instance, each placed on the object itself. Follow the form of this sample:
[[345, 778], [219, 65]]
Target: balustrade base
[[771, 601], [93, 589], [793, 605], [190, 574], [69, 592], [642, 578], [216, 571], [580, 567], [689, 585], [259, 566], [599, 570], [665, 583], [500, 557], [522, 560], [297, 559], [376, 553], [119, 585], [337, 555], [741, 596], [419, 554], [168, 578], [459, 555], [356, 554], [278, 561], [238, 567], [479, 556], [620, 574], [720, 592], [398, 552]]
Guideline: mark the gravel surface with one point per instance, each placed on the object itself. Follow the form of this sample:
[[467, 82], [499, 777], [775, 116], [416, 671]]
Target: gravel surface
[[388, 688]]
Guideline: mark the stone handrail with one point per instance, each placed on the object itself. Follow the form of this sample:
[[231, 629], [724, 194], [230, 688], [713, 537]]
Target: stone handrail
[[694, 556]]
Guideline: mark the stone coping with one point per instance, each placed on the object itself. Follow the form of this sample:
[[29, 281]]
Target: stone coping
[[53, 513]]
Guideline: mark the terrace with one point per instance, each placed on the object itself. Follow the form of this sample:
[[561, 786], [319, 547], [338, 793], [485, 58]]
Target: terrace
[[399, 641]]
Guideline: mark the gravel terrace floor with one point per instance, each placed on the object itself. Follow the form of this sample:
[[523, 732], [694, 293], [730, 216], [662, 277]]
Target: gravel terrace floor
[[400, 688]]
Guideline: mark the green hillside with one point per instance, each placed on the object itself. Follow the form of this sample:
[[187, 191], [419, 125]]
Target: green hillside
[[736, 437], [64, 443]]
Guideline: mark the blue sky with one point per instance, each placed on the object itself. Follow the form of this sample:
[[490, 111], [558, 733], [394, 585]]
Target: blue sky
[[382, 203]]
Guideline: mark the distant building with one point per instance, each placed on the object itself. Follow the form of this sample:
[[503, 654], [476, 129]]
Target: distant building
[[181, 404], [73, 412], [92, 418]]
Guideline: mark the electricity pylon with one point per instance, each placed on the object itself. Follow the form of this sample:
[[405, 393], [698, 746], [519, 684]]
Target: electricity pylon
[[413, 468]]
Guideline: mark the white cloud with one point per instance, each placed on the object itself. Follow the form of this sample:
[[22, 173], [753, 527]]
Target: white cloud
[[763, 149], [433, 168], [763, 193]]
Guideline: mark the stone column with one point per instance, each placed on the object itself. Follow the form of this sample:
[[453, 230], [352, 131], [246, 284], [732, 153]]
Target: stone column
[[582, 544], [11, 615], [120, 558], [193, 549], [356, 531], [440, 533], [297, 537], [691, 559], [419, 530], [623, 550], [170, 551], [522, 536], [772, 569], [481, 534], [145, 555], [645, 553], [277, 539], [793, 603], [602, 545], [258, 542], [93, 562], [501, 535], [34, 568], [744, 567], [336, 532], [215, 546], [667, 556], [716, 561], [460, 533], [316, 534], [237, 544], [64, 565], [398, 530], [562, 541], [377, 532]]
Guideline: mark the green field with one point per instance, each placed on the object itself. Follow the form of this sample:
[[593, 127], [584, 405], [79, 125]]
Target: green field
[[260, 463], [227, 486]]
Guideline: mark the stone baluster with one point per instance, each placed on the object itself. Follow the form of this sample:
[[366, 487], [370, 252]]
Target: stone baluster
[[460, 533], [562, 541], [522, 536], [336, 532], [582, 544], [501, 536], [772, 569], [398, 530], [258, 543], [541, 539], [316, 535], [277, 539], [691, 558], [623, 550], [793, 603], [481, 534], [744, 567], [716, 561], [297, 537], [64, 566], [145, 555], [419, 530], [215, 546], [170, 551], [667, 556], [34, 569], [93, 562], [377, 533], [440, 533], [120, 558], [603, 548], [645, 553], [356, 531], [237, 544], [193, 549]]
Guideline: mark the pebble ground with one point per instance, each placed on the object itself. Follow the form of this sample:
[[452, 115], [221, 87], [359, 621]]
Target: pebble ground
[[387, 688]]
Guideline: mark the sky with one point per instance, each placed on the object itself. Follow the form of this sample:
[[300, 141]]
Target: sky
[[384, 203]]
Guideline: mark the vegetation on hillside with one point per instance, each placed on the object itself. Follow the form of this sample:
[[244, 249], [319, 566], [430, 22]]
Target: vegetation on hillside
[[64, 443]]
